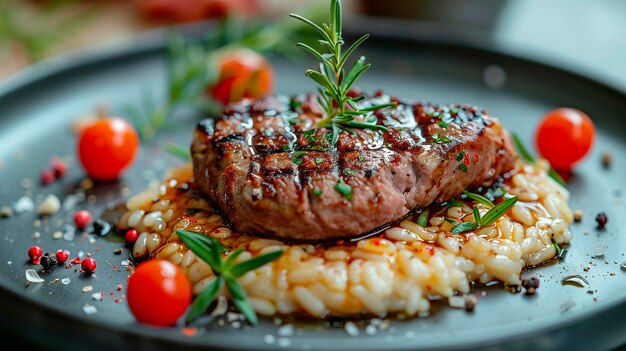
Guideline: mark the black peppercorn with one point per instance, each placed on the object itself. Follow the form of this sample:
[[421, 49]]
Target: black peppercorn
[[48, 261], [601, 218]]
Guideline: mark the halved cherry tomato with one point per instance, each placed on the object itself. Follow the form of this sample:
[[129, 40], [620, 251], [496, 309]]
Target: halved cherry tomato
[[243, 74], [106, 147], [564, 137], [158, 293]]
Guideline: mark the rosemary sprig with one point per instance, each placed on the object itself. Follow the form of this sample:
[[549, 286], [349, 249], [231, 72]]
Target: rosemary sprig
[[343, 114], [489, 218], [479, 198], [226, 273], [178, 151], [526, 155], [190, 68]]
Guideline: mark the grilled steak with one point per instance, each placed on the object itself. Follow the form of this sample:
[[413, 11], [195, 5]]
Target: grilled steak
[[272, 172]]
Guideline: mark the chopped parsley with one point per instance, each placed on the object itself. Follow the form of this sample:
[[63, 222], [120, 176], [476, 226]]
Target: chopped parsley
[[463, 168], [344, 189], [317, 192], [361, 158], [309, 135], [297, 157], [350, 172], [294, 104], [287, 147], [319, 160], [441, 140], [460, 156]]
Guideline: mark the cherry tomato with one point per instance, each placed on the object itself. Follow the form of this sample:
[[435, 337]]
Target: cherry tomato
[[158, 293], [107, 147], [564, 137], [243, 74]]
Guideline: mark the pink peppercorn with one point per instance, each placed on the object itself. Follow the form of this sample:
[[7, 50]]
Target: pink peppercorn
[[88, 265], [35, 253], [132, 235], [62, 256], [59, 167], [82, 219], [47, 177]]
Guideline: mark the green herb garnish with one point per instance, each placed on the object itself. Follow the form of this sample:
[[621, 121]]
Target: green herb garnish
[[317, 192], [489, 218], [460, 156], [319, 160], [463, 168], [441, 140], [341, 109], [226, 272], [361, 158], [344, 189], [178, 150], [526, 155], [479, 198], [422, 220]]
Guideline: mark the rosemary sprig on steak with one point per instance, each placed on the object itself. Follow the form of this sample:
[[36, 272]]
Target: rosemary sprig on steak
[[342, 110]]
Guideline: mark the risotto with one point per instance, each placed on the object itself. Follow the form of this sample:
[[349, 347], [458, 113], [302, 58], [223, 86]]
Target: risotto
[[396, 271]]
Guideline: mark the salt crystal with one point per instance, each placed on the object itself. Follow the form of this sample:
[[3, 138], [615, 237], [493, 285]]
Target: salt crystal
[[33, 277], [69, 233], [236, 324], [57, 235], [10, 263], [456, 302], [351, 329], [286, 330], [98, 296], [89, 309], [371, 330], [232, 316], [24, 204], [87, 288], [125, 263], [376, 321], [70, 201], [269, 339], [65, 281], [50, 205], [284, 342], [81, 254], [598, 251]]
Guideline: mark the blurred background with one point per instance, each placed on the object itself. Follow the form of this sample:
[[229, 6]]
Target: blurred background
[[580, 35]]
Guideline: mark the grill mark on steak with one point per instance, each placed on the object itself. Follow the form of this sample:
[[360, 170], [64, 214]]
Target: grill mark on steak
[[263, 163]]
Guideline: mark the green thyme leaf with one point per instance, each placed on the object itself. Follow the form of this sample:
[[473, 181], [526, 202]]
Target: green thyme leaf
[[242, 268], [344, 189], [498, 211], [204, 299], [319, 160], [463, 168], [240, 298], [178, 150], [464, 227], [476, 215], [422, 220], [479, 198], [460, 156], [526, 155]]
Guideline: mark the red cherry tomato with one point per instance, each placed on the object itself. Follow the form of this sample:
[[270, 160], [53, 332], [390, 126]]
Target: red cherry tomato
[[564, 137], [107, 147], [243, 74], [158, 293]]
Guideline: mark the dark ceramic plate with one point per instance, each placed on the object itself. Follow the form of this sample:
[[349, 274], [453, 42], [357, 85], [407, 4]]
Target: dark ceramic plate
[[37, 106]]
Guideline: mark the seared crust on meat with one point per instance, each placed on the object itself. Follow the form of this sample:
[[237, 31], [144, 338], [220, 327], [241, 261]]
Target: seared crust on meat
[[272, 172]]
